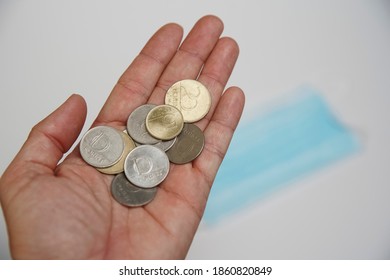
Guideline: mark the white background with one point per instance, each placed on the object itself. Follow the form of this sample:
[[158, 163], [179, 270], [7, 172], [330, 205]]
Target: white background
[[50, 49], [281, 269]]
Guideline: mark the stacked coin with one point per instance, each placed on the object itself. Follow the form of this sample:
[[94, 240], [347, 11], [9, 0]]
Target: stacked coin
[[155, 135]]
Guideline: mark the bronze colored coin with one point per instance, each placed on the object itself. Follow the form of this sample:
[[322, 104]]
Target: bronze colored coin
[[164, 122], [192, 99], [119, 166], [188, 146]]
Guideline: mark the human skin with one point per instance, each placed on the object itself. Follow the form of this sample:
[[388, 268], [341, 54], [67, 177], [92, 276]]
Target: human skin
[[66, 211]]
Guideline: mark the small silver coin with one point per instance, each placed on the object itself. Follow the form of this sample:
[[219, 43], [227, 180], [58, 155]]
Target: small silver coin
[[128, 194], [136, 125], [138, 144], [188, 146], [102, 146], [146, 166], [165, 145]]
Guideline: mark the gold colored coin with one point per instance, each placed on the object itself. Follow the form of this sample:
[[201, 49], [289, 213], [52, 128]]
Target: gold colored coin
[[118, 167], [164, 122], [191, 98]]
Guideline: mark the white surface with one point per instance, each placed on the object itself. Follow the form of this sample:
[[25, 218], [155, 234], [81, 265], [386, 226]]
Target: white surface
[[50, 49]]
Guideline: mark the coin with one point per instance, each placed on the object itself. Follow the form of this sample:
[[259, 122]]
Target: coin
[[138, 144], [164, 122], [188, 146], [119, 166], [165, 145], [136, 126], [192, 99], [102, 146], [154, 136], [127, 194], [146, 166]]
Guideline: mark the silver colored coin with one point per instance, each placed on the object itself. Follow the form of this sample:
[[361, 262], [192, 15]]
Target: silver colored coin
[[138, 144], [128, 194], [165, 145], [102, 146], [118, 167], [136, 125], [189, 145], [146, 166]]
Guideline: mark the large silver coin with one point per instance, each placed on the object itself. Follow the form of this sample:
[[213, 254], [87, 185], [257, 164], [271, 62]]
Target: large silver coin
[[188, 146], [102, 146], [118, 167], [128, 194], [136, 125], [146, 166]]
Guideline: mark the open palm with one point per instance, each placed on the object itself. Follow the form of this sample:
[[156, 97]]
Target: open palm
[[66, 211]]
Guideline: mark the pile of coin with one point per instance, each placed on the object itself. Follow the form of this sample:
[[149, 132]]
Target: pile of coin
[[155, 135]]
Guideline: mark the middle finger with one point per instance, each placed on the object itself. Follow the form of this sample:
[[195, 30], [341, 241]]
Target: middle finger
[[190, 57]]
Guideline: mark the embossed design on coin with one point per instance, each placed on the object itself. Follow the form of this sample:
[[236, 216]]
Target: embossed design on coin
[[130, 195], [119, 166], [192, 99], [146, 166], [164, 122], [188, 146], [102, 146], [136, 126]]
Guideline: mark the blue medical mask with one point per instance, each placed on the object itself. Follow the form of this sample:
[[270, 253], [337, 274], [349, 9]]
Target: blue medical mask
[[295, 138]]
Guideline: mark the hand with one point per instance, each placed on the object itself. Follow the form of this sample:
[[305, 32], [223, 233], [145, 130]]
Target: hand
[[66, 210]]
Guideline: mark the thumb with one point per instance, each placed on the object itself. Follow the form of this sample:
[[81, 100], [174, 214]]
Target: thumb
[[51, 138]]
